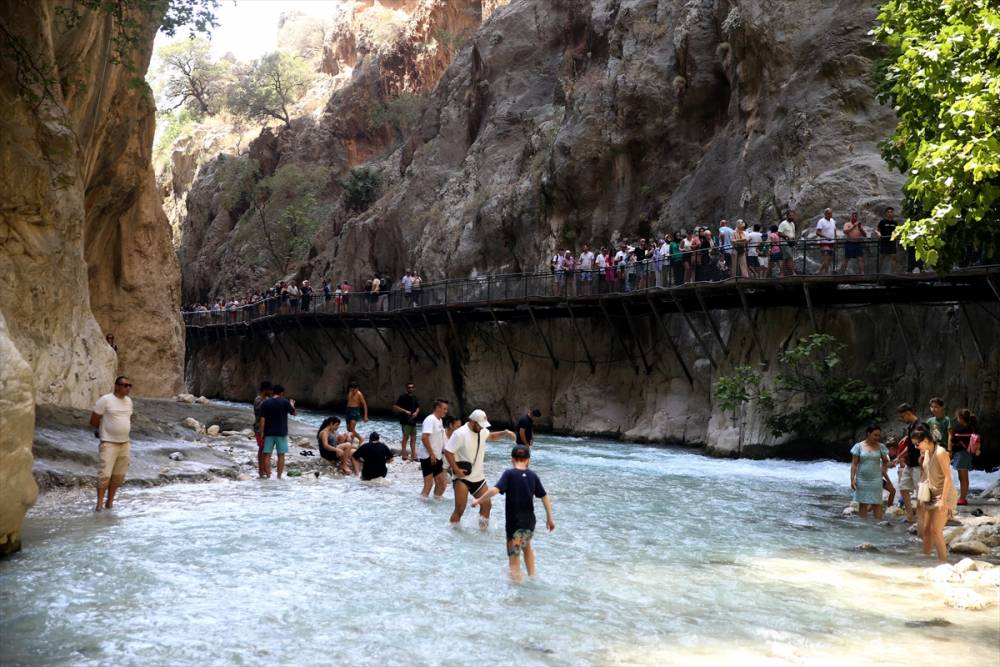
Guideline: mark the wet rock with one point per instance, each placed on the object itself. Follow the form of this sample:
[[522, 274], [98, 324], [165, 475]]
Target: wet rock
[[184, 398], [990, 577], [973, 547], [963, 598], [942, 573], [213, 430], [232, 434], [193, 424], [968, 565], [176, 456], [930, 623], [305, 443], [201, 400], [850, 510], [866, 546]]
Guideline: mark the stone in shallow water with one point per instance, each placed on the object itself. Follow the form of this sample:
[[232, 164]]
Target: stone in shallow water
[[943, 572], [962, 598], [176, 456], [193, 424], [214, 429], [867, 546], [974, 547], [185, 398], [930, 623]]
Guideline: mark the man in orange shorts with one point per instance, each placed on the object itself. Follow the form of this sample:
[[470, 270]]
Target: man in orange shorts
[[112, 416]]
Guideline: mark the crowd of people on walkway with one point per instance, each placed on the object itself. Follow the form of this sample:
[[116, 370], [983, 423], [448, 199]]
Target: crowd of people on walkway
[[923, 457], [447, 447]]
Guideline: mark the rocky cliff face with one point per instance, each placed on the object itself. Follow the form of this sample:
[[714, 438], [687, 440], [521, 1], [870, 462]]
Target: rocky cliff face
[[473, 370], [85, 245], [386, 58], [575, 120]]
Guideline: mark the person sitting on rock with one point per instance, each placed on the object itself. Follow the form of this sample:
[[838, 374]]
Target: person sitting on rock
[[371, 458], [333, 446]]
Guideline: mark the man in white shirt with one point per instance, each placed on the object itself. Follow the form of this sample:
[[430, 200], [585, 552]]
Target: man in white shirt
[[112, 416], [432, 437], [786, 230], [586, 269], [826, 232], [465, 453]]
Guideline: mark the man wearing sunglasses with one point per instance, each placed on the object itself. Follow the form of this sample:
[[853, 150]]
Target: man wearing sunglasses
[[112, 417]]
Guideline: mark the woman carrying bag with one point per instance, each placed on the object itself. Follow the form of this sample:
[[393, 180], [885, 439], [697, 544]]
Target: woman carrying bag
[[936, 497]]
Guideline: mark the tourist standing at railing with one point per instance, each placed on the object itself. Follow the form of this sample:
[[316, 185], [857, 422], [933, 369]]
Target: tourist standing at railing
[[854, 247], [374, 292], [407, 282], [418, 286], [677, 258], [586, 265], [689, 245], [569, 271], [345, 291], [726, 244], [327, 291], [601, 266], [887, 246], [755, 252], [294, 295], [826, 232], [703, 268], [307, 295], [658, 264], [740, 242], [786, 230]]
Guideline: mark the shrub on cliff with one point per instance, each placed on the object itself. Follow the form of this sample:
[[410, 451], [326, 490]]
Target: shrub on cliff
[[269, 87], [942, 75], [809, 397], [362, 188]]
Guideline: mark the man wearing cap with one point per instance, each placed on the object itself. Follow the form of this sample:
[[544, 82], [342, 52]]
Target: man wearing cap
[[465, 452]]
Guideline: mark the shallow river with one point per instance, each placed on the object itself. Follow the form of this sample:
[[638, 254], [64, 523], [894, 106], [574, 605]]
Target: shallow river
[[660, 556]]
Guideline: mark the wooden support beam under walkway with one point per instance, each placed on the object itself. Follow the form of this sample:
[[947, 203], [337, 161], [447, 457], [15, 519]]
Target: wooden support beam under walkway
[[583, 341], [694, 332], [670, 339], [541, 334], [635, 338], [615, 338], [503, 337]]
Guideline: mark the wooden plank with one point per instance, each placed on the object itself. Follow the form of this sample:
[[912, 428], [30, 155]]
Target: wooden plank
[[616, 338], [972, 332], [413, 332], [711, 322], [541, 334], [333, 342], [503, 337], [583, 341], [753, 325], [697, 336], [906, 340], [809, 306], [635, 337], [673, 346]]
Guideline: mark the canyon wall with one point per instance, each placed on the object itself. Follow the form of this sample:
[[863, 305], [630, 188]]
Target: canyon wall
[[85, 245], [473, 370]]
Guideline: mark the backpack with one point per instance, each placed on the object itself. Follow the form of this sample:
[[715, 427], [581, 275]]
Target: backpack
[[975, 446]]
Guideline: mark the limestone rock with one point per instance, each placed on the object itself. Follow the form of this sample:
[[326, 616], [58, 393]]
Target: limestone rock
[[304, 443], [942, 573], [201, 400], [963, 598], [232, 434], [185, 398], [18, 489], [973, 547], [213, 430], [176, 456], [990, 577], [193, 424]]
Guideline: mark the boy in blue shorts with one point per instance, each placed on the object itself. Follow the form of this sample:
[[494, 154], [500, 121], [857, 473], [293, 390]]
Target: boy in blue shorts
[[520, 487]]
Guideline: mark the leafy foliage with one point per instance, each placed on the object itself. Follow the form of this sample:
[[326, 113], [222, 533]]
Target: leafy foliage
[[942, 75], [400, 113], [362, 188], [269, 86], [811, 396], [283, 210], [194, 79], [170, 127], [130, 24]]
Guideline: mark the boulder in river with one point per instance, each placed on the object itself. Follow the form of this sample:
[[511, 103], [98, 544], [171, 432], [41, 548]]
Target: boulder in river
[[963, 598], [193, 424], [942, 573], [185, 398], [213, 430], [973, 547], [201, 400], [176, 456], [968, 565]]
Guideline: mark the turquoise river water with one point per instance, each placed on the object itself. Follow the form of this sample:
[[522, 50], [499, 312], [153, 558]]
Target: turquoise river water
[[660, 556]]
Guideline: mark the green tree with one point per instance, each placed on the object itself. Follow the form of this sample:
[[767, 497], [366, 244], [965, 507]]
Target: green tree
[[811, 396], [400, 113], [942, 76], [193, 79], [280, 212], [362, 188], [269, 86]]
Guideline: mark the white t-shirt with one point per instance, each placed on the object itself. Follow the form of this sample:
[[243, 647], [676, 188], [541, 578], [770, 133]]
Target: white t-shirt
[[755, 239], [586, 261], [602, 263], [463, 444], [116, 417], [407, 283], [619, 256], [434, 427], [826, 230], [786, 229]]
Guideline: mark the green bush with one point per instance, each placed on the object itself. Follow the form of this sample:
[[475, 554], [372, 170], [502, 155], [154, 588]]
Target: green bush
[[362, 188]]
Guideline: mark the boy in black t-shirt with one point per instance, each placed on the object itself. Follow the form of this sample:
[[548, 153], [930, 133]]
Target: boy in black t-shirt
[[520, 486]]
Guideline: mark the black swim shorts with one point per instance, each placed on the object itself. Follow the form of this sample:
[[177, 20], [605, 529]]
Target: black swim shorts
[[426, 469], [474, 487]]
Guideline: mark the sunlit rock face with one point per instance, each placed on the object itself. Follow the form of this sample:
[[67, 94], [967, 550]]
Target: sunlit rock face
[[577, 120], [85, 245]]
